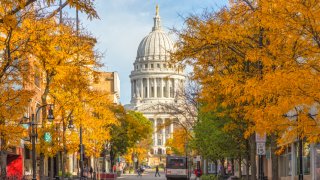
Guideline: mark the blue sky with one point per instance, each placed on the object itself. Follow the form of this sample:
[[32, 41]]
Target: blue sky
[[124, 23]]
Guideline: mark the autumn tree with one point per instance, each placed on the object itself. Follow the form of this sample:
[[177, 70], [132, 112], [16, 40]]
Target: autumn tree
[[10, 8], [14, 84], [259, 58], [179, 142]]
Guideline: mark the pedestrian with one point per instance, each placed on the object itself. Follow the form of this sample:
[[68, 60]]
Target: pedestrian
[[139, 171], [91, 171], [157, 171]]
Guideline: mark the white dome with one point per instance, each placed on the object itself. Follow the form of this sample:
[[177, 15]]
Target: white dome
[[155, 46], [157, 43]]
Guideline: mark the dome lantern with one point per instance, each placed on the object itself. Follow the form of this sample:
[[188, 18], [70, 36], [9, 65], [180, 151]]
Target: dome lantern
[[157, 25], [157, 45]]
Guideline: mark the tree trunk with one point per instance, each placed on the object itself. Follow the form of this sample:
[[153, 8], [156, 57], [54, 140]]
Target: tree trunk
[[51, 167], [248, 160], [112, 156], [252, 145], [64, 151], [232, 166], [41, 168], [240, 171], [206, 169], [247, 169], [274, 158], [3, 164], [44, 121], [216, 166], [223, 171], [62, 164], [63, 154], [104, 160], [57, 164]]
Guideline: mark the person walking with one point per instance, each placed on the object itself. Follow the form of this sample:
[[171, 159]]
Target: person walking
[[91, 171], [139, 171], [157, 171]]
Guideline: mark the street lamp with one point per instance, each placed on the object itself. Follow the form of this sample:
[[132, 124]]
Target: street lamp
[[71, 126], [300, 143], [300, 140], [34, 134]]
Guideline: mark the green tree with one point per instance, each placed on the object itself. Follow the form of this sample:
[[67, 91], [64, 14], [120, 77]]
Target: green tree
[[215, 138], [133, 129]]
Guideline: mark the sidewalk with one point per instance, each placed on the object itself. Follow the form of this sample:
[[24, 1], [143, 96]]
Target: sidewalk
[[193, 177]]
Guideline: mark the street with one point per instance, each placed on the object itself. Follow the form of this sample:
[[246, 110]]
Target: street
[[147, 175]]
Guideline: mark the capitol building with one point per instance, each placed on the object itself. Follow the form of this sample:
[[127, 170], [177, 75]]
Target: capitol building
[[154, 85]]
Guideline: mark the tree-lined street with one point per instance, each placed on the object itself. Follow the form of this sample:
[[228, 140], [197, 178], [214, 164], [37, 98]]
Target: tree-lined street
[[247, 107]]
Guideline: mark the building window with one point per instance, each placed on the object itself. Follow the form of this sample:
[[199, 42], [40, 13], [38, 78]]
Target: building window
[[158, 65], [165, 93], [146, 92], [286, 163], [145, 88], [159, 142], [151, 66], [159, 151], [151, 151], [306, 162], [26, 152], [146, 66], [152, 91], [164, 66], [137, 67], [317, 160]]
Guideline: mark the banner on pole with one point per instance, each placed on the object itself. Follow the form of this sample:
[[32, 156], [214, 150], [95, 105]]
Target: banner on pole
[[261, 148], [261, 138]]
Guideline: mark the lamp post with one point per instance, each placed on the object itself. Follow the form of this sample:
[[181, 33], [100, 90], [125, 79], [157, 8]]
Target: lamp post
[[34, 135], [300, 144], [187, 163], [71, 126]]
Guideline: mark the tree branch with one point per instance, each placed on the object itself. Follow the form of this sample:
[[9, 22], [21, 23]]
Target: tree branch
[[18, 8]]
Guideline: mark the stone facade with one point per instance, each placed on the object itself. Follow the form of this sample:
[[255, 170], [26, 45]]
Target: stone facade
[[108, 82]]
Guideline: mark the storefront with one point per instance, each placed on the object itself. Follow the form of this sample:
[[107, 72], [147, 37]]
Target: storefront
[[15, 163], [289, 161]]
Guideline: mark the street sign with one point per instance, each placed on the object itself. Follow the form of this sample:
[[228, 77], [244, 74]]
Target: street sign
[[198, 158], [47, 137], [261, 148], [261, 138]]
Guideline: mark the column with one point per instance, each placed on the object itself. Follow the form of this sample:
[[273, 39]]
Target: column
[[174, 87], [148, 88], [155, 87], [164, 132], [171, 130], [141, 87], [168, 87], [161, 87], [135, 88], [132, 86], [155, 132]]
